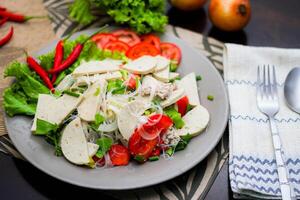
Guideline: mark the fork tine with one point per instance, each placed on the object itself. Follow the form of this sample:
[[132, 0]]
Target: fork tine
[[264, 90], [258, 83], [274, 81], [269, 86]]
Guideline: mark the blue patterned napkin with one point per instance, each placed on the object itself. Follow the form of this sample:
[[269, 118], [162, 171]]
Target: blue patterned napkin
[[252, 165]]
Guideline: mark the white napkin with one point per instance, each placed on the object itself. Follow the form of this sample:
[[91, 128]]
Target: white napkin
[[252, 166]]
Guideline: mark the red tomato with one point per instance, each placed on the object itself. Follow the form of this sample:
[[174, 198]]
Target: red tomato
[[119, 155], [117, 46], [131, 82], [170, 51], [139, 146], [129, 37], [151, 39], [141, 49], [182, 105], [101, 39], [155, 152]]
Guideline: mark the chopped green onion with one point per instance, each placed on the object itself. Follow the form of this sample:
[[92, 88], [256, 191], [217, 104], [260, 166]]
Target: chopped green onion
[[154, 158], [170, 151], [97, 92], [198, 78], [210, 97], [139, 158], [73, 94]]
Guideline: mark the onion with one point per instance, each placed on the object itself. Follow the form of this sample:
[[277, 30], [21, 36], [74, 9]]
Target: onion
[[108, 163], [230, 15], [145, 135], [108, 127]]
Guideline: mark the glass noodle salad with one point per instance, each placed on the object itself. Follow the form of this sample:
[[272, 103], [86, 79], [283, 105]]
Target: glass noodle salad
[[108, 99]]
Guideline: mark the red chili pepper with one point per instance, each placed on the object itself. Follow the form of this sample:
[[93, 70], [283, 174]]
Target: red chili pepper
[[74, 55], [40, 71], [7, 37], [2, 8], [17, 17], [59, 56], [3, 20], [69, 61]]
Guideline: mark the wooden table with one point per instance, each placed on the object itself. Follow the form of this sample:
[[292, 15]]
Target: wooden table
[[273, 23]]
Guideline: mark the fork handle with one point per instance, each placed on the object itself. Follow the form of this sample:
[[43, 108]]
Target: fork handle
[[287, 190]]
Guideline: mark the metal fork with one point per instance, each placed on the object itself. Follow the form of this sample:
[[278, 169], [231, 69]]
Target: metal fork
[[267, 103]]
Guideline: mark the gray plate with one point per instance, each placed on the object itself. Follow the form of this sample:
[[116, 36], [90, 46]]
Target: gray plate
[[40, 154]]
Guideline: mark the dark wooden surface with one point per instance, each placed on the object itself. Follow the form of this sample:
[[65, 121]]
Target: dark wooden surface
[[273, 23]]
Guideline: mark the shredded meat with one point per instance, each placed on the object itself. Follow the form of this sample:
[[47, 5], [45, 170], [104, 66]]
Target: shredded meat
[[162, 90]]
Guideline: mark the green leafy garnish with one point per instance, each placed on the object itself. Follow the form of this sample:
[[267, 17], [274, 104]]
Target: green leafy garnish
[[73, 94], [16, 103], [43, 127], [99, 119], [173, 66], [189, 108], [21, 97], [175, 116], [80, 11], [153, 158], [97, 92], [104, 145], [170, 151], [116, 86], [210, 97], [198, 78], [142, 16], [139, 158], [182, 144]]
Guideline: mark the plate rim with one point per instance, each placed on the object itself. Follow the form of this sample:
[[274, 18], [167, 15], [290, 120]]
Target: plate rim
[[210, 148]]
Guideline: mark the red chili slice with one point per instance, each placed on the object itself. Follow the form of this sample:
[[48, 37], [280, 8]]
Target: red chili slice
[[119, 155], [182, 105], [129, 37], [117, 46], [141, 49], [170, 51], [151, 39], [102, 39]]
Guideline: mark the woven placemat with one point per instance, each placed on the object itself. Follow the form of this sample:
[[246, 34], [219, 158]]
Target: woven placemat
[[193, 184]]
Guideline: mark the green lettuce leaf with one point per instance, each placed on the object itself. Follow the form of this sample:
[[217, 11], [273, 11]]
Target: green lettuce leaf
[[16, 103], [104, 145], [80, 11], [27, 80], [43, 127]]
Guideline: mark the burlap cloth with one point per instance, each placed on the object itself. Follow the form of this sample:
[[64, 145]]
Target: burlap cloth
[[35, 34]]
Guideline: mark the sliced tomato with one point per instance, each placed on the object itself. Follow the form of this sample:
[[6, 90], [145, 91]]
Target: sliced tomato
[[131, 81], [101, 39], [170, 51], [117, 46], [129, 37], [182, 105], [141, 49], [155, 152], [151, 39], [119, 155], [143, 148]]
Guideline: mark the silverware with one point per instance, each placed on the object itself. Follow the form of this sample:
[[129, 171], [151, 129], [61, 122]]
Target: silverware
[[267, 103], [292, 89]]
